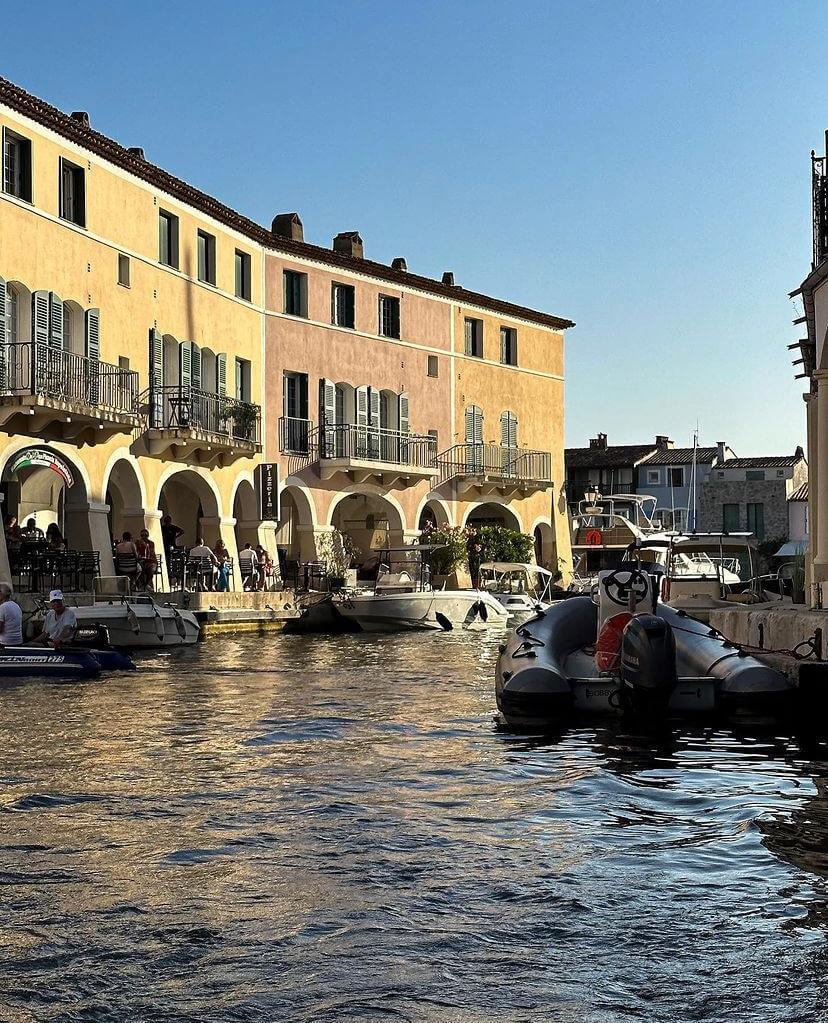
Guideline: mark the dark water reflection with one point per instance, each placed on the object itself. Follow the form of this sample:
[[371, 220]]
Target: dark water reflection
[[339, 833]]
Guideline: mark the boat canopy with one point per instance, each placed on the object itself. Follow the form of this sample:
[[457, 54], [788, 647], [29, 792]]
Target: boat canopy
[[514, 566]]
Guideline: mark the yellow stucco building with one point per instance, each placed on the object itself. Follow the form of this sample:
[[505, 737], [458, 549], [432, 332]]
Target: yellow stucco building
[[156, 347]]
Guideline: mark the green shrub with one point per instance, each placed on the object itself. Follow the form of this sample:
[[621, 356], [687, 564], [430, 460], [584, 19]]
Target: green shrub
[[497, 543], [452, 552]]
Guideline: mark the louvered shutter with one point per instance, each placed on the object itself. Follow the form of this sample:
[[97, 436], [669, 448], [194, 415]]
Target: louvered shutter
[[327, 416], [55, 321], [503, 345], [362, 417], [40, 335], [374, 420], [156, 362], [195, 365], [185, 365], [469, 337], [92, 324], [4, 306], [302, 411], [403, 427], [221, 373]]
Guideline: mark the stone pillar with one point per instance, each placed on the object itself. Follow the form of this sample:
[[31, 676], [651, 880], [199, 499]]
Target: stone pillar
[[819, 478], [100, 537], [224, 527], [811, 410]]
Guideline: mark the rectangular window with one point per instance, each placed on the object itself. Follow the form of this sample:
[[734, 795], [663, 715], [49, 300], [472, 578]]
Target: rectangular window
[[721, 475], [756, 520], [675, 476], [433, 366], [72, 193], [730, 518], [123, 269], [508, 346], [243, 275], [206, 257], [342, 305], [389, 316], [17, 165], [653, 477], [754, 474], [123, 363], [295, 428], [474, 338], [435, 437], [167, 239], [296, 293], [242, 379]]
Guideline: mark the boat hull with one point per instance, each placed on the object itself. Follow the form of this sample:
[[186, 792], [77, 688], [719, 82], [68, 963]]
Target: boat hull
[[136, 626], [431, 610], [43, 662], [545, 672]]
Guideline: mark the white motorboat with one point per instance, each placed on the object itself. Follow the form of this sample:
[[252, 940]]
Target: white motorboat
[[521, 588], [138, 622], [403, 598]]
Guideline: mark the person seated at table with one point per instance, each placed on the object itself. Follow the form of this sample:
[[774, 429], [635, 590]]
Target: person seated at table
[[223, 559], [249, 567], [147, 558], [13, 531], [59, 624], [207, 561], [125, 552], [11, 618], [32, 531], [54, 537]]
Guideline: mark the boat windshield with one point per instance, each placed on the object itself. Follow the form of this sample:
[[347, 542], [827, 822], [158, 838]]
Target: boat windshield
[[532, 580]]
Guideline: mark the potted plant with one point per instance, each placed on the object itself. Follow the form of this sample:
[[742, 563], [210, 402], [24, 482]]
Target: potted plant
[[338, 551], [449, 556], [244, 417]]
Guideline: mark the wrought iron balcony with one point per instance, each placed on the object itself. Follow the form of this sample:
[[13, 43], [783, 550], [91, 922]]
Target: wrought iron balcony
[[819, 196], [62, 393], [494, 467], [295, 436], [365, 451], [214, 426]]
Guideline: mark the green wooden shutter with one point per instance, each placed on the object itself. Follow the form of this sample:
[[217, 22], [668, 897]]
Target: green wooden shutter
[[92, 324], [185, 365], [40, 317], [327, 417], [156, 362], [4, 340], [195, 365], [221, 373], [55, 321]]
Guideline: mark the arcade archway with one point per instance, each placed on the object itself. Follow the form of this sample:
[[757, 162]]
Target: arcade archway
[[192, 503], [433, 515], [491, 513], [125, 499], [371, 521]]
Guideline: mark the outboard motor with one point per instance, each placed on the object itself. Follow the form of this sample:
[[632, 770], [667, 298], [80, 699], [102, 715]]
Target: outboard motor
[[648, 664]]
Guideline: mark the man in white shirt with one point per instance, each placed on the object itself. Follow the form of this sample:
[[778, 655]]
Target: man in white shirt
[[11, 618], [200, 552], [249, 567], [60, 622]]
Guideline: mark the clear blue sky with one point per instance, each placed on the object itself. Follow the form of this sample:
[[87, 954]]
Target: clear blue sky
[[640, 168]]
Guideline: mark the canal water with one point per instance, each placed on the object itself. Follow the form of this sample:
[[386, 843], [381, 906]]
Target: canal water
[[332, 829]]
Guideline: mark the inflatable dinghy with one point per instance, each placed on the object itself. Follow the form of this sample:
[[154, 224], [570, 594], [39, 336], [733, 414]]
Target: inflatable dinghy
[[624, 652], [43, 662]]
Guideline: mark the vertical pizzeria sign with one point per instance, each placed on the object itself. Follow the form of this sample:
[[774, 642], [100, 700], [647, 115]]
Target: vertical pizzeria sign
[[42, 457], [267, 487]]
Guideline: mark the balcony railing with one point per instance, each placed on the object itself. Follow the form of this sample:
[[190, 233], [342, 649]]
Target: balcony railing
[[178, 407], [32, 368], [819, 195], [295, 436], [371, 444], [496, 462]]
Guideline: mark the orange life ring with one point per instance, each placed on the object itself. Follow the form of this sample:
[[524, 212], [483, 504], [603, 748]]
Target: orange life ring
[[594, 538], [608, 644], [665, 588]]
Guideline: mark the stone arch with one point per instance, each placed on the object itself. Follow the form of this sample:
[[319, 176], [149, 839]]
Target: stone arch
[[246, 513], [546, 547], [435, 510], [125, 494], [493, 511], [19, 312], [371, 519], [192, 498], [295, 539]]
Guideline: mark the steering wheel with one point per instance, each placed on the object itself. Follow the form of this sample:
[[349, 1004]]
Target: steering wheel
[[619, 592]]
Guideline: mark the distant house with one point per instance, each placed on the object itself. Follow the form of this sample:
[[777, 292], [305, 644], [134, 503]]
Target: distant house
[[798, 518], [751, 495], [668, 476], [611, 469]]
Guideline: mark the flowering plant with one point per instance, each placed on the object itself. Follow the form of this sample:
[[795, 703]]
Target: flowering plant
[[452, 550]]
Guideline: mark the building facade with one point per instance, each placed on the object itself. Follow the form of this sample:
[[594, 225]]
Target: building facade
[[674, 477], [751, 495], [609, 468], [156, 347]]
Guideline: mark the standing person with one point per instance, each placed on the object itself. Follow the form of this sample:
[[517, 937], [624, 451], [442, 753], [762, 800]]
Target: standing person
[[60, 623], [11, 618], [223, 559], [249, 567], [148, 558], [265, 567], [170, 534]]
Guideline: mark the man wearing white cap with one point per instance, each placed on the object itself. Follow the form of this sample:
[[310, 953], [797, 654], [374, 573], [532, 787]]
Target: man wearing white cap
[[60, 622]]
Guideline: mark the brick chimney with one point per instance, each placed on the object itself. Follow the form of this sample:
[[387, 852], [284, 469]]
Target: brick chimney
[[721, 451], [799, 453], [448, 278], [399, 263], [599, 443], [137, 151], [662, 441], [349, 243], [81, 117], [288, 225]]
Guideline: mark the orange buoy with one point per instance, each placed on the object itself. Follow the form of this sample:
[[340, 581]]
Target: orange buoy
[[608, 644]]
